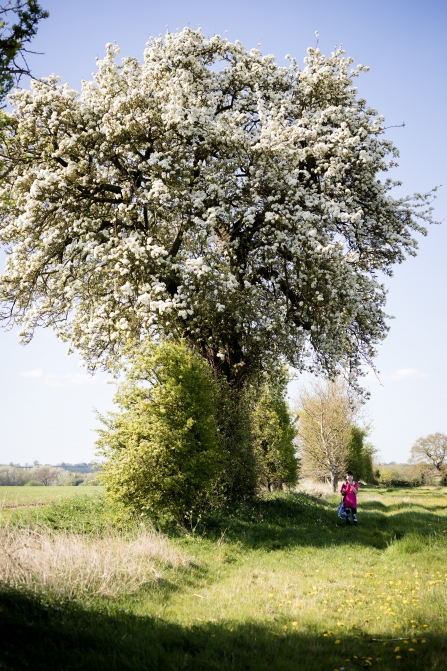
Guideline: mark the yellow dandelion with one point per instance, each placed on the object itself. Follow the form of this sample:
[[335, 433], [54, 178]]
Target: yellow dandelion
[[324, 634], [423, 641], [294, 623], [285, 627], [337, 642], [271, 596], [414, 640], [425, 625], [411, 649], [396, 649], [398, 656]]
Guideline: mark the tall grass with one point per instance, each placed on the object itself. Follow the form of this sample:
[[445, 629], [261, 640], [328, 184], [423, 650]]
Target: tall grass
[[73, 565]]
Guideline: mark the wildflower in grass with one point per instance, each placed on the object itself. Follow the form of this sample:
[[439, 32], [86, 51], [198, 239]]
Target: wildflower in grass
[[410, 649], [423, 641], [337, 642], [398, 656], [396, 649]]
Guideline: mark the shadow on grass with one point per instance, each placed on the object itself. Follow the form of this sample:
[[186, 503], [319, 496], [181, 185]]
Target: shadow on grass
[[289, 520], [69, 637]]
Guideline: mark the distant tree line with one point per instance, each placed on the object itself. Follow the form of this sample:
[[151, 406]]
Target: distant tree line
[[44, 476]]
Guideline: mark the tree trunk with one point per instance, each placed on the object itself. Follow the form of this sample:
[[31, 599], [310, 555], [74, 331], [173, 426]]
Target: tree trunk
[[334, 481]]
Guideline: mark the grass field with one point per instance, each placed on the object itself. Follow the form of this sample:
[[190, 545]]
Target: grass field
[[12, 497], [277, 584]]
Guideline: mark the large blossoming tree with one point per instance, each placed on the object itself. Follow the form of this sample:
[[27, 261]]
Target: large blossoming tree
[[206, 193]]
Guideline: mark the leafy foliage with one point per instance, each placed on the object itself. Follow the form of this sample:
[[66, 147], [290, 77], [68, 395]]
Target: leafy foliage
[[239, 474], [273, 438], [162, 450], [360, 455]]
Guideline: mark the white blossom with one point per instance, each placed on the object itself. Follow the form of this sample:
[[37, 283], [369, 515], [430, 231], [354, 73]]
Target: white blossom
[[206, 193]]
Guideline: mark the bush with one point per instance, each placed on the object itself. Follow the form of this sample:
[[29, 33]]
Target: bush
[[238, 478], [273, 438], [162, 449], [73, 480], [34, 483], [360, 455]]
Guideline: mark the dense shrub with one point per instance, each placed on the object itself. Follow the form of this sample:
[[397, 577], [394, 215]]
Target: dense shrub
[[360, 455], [34, 483], [162, 449], [273, 436], [238, 479]]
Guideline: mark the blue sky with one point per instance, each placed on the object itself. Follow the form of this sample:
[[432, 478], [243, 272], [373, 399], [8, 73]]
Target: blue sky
[[46, 400]]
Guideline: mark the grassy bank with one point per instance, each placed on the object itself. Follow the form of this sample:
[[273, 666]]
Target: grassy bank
[[279, 584]]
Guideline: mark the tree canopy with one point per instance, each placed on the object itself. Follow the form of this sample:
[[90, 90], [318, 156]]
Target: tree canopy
[[13, 39], [326, 414], [206, 193], [432, 449]]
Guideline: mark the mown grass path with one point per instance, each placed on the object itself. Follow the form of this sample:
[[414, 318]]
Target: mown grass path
[[279, 584]]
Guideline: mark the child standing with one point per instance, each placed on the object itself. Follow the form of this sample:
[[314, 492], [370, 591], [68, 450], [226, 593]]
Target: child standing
[[349, 491]]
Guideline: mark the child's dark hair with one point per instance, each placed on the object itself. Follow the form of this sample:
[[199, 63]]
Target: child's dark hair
[[350, 473]]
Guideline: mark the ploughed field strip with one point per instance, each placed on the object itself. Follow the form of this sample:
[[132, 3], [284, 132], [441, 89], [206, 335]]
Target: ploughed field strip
[[277, 584]]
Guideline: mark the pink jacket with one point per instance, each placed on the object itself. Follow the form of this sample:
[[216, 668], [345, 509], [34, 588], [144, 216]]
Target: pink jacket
[[349, 494]]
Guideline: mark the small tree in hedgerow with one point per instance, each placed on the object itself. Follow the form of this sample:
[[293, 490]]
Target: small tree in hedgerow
[[162, 450], [326, 413], [273, 436], [360, 454]]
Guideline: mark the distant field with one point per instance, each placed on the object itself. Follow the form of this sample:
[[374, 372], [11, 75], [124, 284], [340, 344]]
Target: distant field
[[11, 497]]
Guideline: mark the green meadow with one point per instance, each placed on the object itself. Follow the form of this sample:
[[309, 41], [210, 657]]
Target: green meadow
[[279, 583], [15, 497]]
